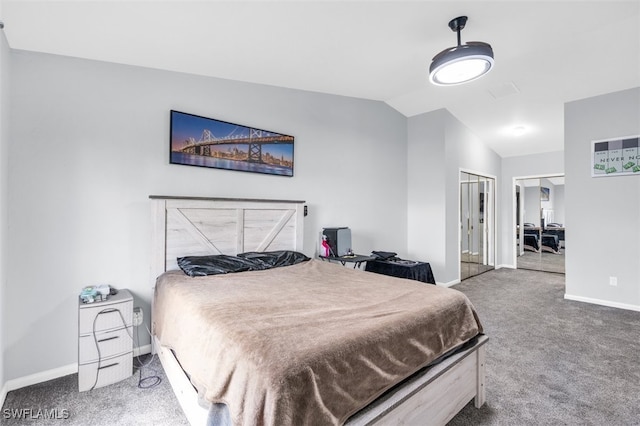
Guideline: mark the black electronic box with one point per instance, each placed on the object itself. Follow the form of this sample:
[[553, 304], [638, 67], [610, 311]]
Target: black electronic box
[[339, 240]]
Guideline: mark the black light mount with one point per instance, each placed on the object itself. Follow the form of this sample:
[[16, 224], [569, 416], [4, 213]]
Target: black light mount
[[457, 25]]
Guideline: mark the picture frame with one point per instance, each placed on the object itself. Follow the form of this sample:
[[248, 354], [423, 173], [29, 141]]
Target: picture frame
[[208, 142], [544, 193], [615, 156]]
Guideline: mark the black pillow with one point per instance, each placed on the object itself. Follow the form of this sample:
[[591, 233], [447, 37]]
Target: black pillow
[[199, 266], [274, 259]]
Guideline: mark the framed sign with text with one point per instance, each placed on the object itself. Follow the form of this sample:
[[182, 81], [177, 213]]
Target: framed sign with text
[[615, 157]]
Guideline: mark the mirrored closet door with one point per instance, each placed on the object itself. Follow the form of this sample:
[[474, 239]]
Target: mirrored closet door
[[540, 229], [477, 236]]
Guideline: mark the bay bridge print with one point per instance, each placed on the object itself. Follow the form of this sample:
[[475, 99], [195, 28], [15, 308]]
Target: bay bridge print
[[206, 142]]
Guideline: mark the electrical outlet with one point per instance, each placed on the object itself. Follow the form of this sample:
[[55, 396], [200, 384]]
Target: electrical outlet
[[613, 281], [137, 316]]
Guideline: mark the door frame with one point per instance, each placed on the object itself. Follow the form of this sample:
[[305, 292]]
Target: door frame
[[512, 232], [492, 215]]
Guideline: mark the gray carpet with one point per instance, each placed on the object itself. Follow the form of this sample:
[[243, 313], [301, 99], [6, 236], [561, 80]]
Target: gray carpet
[[122, 404], [543, 261], [549, 362]]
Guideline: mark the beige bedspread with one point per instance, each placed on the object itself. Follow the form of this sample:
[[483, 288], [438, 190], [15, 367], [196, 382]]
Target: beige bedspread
[[306, 344]]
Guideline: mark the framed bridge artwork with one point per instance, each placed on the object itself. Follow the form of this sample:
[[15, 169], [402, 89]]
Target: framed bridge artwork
[[206, 142]]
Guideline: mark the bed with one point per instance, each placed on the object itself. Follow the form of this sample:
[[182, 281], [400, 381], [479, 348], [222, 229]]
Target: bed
[[531, 238], [531, 243], [557, 230], [550, 243], [412, 387], [534, 241]]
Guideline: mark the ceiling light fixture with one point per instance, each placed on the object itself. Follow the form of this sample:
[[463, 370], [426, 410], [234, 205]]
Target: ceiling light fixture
[[462, 63], [519, 130]]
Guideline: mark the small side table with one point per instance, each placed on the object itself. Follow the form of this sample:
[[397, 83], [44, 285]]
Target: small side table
[[105, 345], [356, 259]]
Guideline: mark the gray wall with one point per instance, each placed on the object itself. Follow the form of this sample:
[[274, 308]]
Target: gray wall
[[4, 177], [551, 163], [90, 143], [602, 213], [426, 194], [531, 204], [439, 146], [465, 151], [548, 207]]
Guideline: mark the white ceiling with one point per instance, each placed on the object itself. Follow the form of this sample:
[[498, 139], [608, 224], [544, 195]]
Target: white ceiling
[[551, 51]]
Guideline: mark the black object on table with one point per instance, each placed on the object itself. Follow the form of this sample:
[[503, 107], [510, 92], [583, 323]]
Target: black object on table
[[419, 271], [357, 259]]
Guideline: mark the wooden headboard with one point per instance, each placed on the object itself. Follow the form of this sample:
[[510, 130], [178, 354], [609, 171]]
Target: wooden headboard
[[188, 226]]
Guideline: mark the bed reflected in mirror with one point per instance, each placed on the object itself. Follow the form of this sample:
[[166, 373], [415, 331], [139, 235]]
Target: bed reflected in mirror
[[540, 229]]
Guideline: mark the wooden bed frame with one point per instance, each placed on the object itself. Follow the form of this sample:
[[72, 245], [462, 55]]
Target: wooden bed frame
[[184, 226]]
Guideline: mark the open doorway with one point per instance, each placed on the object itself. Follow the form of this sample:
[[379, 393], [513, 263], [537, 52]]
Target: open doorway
[[540, 226]]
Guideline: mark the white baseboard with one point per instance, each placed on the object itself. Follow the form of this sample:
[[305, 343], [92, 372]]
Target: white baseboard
[[506, 266], [142, 350], [602, 302], [449, 284], [43, 376], [54, 373], [3, 394]]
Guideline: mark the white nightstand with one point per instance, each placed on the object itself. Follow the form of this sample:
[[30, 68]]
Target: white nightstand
[[105, 346]]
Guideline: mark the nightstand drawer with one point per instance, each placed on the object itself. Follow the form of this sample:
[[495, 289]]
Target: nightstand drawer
[[113, 342], [109, 318], [111, 370]]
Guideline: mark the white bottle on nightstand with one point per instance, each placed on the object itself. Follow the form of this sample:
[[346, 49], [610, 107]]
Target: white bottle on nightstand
[[105, 344]]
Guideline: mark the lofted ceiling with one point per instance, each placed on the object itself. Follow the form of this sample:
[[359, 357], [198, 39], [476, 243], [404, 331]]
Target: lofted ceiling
[[546, 52]]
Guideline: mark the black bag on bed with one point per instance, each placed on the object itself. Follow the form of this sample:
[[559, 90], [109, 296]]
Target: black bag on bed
[[274, 259], [199, 266]]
